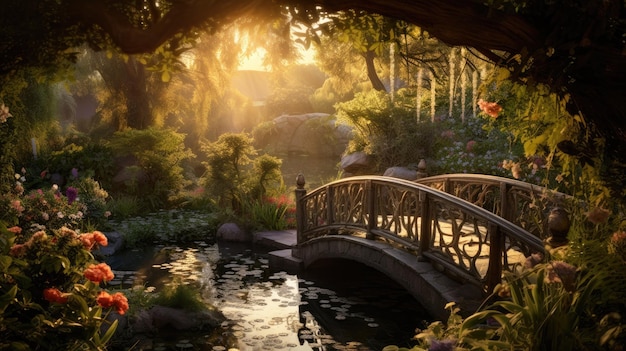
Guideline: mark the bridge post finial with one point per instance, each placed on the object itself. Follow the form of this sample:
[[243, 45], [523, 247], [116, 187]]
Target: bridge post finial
[[421, 169], [558, 226], [300, 181]]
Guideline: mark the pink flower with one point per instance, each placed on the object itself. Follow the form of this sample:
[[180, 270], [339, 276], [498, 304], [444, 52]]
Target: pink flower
[[618, 238], [562, 272], [470, 145], [447, 134], [533, 260], [490, 108], [17, 205], [597, 215]]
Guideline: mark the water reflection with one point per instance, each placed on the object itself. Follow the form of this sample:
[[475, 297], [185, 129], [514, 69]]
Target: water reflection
[[336, 305]]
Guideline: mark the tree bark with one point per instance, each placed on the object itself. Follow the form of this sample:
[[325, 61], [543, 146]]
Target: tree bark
[[377, 84]]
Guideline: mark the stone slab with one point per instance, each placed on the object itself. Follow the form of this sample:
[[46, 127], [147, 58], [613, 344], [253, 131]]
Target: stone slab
[[279, 239], [282, 260]]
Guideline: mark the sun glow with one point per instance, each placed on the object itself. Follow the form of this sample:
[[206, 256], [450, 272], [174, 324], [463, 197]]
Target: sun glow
[[254, 62]]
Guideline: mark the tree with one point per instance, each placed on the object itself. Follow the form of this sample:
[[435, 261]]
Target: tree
[[573, 46]]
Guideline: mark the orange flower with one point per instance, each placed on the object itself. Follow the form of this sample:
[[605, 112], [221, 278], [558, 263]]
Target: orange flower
[[99, 272], [104, 299], [490, 108], [90, 239], [117, 300], [87, 240], [100, 238], [54, 295], [121, 303]]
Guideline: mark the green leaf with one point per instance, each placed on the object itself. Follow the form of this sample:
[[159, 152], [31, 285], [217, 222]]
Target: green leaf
[[107, 336], [165, 76], [6, 299], [5, 262]]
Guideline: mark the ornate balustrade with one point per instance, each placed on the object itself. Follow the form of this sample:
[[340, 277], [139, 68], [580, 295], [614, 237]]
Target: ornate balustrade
[[538, 210], [464, 240]]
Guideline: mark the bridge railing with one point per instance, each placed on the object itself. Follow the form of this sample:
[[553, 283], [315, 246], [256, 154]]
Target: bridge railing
[[526, 205], [464, 240]]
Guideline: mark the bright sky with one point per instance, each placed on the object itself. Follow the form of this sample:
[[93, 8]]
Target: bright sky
[[255, 61]]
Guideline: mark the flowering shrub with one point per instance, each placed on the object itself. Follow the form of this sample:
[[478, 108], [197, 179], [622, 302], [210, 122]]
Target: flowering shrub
[[50, 291], [83, 201], [39, 209]]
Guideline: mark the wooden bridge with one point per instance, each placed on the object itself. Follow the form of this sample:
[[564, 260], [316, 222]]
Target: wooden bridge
[[451, 235]]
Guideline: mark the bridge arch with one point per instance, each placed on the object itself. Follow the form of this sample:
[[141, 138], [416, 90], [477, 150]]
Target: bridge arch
[[432, 288]]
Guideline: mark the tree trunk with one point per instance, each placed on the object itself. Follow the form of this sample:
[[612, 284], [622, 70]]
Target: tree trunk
[[377, 84], [138, 115]]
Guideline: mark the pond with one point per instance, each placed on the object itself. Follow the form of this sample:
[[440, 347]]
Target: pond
[[334, 305]]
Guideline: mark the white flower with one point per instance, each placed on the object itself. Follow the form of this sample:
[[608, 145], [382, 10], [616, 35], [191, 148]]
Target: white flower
[[55, 187], [60, 214]]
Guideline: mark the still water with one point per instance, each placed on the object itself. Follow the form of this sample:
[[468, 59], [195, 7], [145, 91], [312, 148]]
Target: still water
[[334, 305]]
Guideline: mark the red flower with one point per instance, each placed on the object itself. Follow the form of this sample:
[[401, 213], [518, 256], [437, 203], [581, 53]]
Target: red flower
[[117, 300], [18, 250], [99, 272], [490, 108], [54, 295], [469, 147]]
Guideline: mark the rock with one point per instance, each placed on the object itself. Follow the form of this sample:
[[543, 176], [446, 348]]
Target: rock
[[116, 243], [58, 179], [401, 172], [160, 318], [355, 163], [232, 232], [312, 134]]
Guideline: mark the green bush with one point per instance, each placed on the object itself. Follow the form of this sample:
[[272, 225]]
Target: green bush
[[236, 174], [180, 296], [123, 206], [387, 131], [272, 213], [156, 173]]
